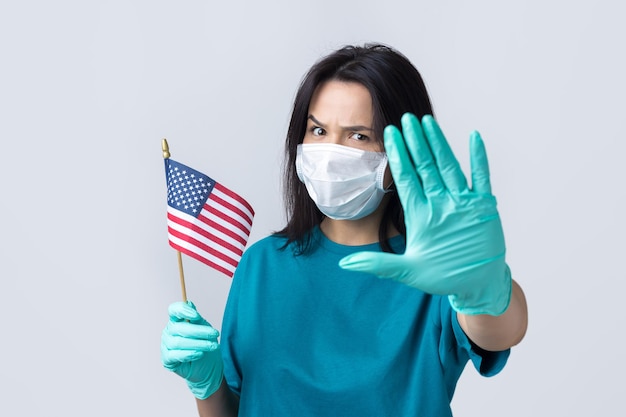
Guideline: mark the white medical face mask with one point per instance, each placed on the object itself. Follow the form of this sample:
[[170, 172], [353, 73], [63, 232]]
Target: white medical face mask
[[345, 183]]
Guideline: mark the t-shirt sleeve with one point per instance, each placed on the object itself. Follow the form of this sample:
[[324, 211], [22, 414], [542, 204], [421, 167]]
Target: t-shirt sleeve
[[228, 341], [487, 363]]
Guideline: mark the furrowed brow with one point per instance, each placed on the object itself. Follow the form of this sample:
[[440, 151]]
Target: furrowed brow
[[357, 128], [314, 120]]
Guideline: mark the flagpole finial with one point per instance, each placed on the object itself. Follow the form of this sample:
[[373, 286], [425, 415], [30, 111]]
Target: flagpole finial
[[166, 149]]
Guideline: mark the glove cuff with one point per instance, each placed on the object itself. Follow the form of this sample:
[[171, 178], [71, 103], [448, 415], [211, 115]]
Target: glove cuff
[[494, 299], [204, 391], [214, 374]]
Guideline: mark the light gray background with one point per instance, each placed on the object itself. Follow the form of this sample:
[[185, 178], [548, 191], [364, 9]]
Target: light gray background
[[88, 89]]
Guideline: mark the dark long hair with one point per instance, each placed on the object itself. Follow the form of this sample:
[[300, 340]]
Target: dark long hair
[[396, 87]]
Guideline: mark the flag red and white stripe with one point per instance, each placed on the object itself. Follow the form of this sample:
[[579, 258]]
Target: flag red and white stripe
[[206, 220]]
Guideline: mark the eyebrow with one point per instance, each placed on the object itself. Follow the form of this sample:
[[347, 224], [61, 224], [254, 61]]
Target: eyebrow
[[356, 128]]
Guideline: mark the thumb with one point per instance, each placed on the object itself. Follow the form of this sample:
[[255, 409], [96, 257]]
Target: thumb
[[383, 265], [180, 311]]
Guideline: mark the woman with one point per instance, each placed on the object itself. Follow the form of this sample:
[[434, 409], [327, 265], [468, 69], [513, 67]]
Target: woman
[[388, 278]]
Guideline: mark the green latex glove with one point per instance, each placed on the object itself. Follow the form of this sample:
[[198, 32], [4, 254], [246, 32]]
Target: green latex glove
[[190, 349], [454, 239]]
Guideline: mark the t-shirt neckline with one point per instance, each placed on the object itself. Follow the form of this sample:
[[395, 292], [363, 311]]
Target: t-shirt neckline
[[324, 242]]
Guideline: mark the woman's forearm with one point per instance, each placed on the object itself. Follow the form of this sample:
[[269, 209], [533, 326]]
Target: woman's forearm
[[501, 332], [223, 403]]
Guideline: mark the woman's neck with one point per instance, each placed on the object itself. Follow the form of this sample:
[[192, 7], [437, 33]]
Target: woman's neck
[[350, 232], [355, 232]]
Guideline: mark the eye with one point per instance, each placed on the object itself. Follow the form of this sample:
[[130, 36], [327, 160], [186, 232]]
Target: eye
[[360, 137], [317, 131]]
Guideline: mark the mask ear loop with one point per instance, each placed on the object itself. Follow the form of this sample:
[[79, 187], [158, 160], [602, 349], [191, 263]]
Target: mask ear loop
[[380, 177], [299, 163]]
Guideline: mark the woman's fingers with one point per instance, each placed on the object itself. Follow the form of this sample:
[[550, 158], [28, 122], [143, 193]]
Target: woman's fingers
[[421, 154], [447, 164], [480, 165]]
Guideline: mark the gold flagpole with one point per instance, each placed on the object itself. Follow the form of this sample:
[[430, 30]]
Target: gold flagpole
[[166, 155]]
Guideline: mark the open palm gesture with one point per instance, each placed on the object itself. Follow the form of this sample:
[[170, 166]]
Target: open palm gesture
[[454, 238]]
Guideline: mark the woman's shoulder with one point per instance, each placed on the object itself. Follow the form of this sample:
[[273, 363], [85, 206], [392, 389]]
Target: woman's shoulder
[[271, 242], [269, 247], [268, 254]]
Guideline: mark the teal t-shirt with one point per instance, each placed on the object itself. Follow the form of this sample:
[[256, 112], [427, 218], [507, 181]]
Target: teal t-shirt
[[303, 337]]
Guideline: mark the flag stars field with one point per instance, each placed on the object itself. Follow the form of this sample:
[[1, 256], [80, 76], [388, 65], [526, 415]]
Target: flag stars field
[[206, 220]]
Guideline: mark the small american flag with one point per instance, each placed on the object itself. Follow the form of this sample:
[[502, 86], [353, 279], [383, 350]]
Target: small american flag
[[206, 220]]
